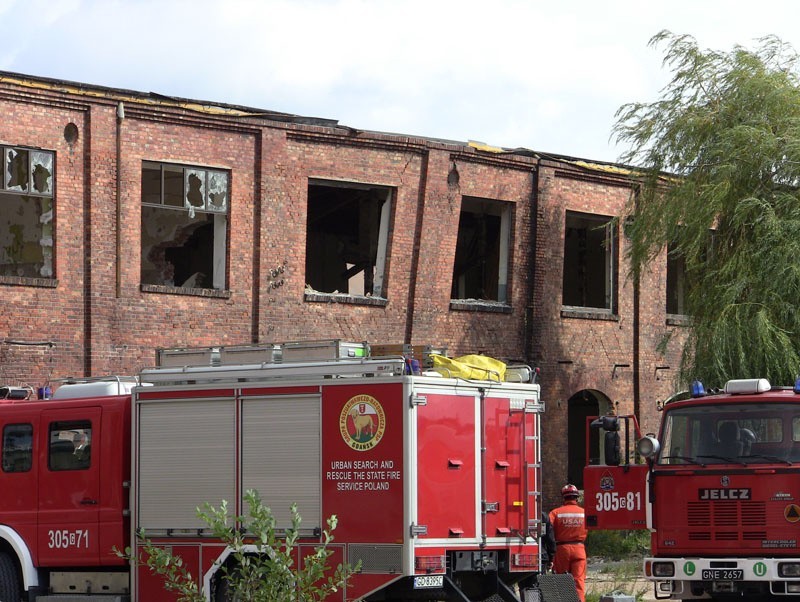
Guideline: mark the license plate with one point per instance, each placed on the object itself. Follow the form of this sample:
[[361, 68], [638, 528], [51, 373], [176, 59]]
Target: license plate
[[723, 574], [426, 581]]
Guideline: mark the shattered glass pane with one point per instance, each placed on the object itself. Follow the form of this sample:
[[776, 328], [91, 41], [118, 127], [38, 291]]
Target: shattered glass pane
[[16, 170], [42, 172], [195, 188], [217, 191]]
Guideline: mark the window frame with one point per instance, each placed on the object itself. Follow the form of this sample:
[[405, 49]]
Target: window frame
[[165, 200], [676, 282], [504, 211], [28, 465], [76, 461], [378, 293], [30, 192], [610, 246]]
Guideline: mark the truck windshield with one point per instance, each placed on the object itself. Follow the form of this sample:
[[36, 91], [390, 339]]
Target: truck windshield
[[731, 433]]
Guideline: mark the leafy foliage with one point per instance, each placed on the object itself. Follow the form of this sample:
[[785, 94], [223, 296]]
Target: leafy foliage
[[262, 564], [720, 151], [617, 545]]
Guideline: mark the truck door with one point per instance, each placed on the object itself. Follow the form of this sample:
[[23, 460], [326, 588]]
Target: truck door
[[69, 487], [447, 455], [511, 464]]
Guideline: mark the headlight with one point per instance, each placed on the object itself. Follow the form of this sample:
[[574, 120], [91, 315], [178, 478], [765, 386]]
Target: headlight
[[663, 569], [789, 569], [647, 446]]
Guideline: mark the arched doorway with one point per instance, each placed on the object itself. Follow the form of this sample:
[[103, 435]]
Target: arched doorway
[[581, 405]]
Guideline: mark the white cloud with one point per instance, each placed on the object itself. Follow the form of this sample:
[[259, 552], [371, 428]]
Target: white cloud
[[546, 76]]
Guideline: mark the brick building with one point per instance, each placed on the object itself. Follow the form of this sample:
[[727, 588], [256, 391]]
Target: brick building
[[132, 221]]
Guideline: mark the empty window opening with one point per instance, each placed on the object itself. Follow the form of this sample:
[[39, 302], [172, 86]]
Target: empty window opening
[[676, 281], [480, 270], [26, 213], [184, 226], [346, 238], [589, 261]]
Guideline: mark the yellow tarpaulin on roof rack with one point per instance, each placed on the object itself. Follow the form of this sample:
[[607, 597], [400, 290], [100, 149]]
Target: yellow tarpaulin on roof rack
[[470, 367]]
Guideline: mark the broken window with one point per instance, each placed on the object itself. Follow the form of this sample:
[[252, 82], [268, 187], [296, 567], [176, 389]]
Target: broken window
[[589, 261], [676, 281], [346, 238], [26, 213], [481, 265], [184, 225]]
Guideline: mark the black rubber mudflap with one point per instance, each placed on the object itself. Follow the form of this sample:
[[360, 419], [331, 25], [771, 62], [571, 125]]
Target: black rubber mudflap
[[531, 595], [558, 588]]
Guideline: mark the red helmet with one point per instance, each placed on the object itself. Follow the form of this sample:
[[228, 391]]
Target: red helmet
[[569, 491]]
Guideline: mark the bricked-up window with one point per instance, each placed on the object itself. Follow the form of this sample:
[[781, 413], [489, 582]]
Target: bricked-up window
[[676, 282], [184, 225], [26, 213], [481, 265], [346, 238], [590, 243]]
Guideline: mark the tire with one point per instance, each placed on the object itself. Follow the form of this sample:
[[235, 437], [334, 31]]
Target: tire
[[9, 579], [222, 592]]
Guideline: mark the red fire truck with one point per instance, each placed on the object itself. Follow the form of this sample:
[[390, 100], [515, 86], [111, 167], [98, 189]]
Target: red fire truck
[[719, 491], [435, 480]]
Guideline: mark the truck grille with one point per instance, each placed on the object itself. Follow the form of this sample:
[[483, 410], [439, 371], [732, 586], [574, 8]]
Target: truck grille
[[384, 558], [726, 520]]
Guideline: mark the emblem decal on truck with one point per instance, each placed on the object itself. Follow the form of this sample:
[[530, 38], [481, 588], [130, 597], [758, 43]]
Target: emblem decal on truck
[[362, 422], [792, 513]]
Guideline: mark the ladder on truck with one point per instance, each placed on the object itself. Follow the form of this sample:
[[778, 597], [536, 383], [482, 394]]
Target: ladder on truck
[[253, 363], [531, 481]]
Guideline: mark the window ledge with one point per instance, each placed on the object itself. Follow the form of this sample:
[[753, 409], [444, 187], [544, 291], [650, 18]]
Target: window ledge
[[588, 313], [317, 297], [480, 305], [678, 320], [179, 290], [25, 281]]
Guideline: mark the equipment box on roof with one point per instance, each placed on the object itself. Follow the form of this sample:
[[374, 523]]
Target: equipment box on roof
[[422, 353], [303, 351]]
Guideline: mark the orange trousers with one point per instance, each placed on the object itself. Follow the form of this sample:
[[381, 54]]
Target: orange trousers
[[571, 558]]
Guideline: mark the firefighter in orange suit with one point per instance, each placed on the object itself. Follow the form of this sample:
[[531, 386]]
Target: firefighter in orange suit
[[569, 528]]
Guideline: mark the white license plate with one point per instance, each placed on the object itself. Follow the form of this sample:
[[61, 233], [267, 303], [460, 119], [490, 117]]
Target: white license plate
[[426, 581], [723, 574]]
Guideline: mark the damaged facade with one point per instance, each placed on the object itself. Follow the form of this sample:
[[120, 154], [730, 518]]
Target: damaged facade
[[131, 222]]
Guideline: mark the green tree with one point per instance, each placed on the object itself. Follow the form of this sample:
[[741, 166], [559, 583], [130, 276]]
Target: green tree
[[720, 151], [262, 564]]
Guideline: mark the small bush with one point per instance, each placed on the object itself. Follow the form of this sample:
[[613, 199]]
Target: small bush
[[263, 569], [617, 545]]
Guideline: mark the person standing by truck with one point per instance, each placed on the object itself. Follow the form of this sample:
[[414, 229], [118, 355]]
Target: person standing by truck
[[569, 528]]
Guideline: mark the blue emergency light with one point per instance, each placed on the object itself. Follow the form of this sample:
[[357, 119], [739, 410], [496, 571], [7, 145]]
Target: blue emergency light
[[698, 390]]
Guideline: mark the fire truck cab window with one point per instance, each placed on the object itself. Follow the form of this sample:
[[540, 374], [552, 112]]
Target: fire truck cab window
[[70, 445], [748, 433], [17, 447]]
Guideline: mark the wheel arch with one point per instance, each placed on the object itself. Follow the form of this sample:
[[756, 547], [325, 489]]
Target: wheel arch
[[13, 544]]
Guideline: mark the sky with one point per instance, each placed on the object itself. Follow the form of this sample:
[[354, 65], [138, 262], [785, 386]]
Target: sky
[[542, 75]]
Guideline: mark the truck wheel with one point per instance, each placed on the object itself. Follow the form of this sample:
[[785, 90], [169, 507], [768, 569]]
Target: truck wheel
[[223, 592], [9, 579]]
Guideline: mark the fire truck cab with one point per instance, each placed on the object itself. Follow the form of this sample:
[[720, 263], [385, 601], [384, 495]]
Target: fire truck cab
[[65, 479], [720, 493]]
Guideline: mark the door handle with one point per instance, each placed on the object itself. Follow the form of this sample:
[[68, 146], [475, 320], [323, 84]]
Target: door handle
[[88, 502]]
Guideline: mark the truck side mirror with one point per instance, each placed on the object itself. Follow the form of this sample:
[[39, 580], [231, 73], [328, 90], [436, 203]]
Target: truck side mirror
[[611, 448]]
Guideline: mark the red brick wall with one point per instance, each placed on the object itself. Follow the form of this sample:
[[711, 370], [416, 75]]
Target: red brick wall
[[101, 321]]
